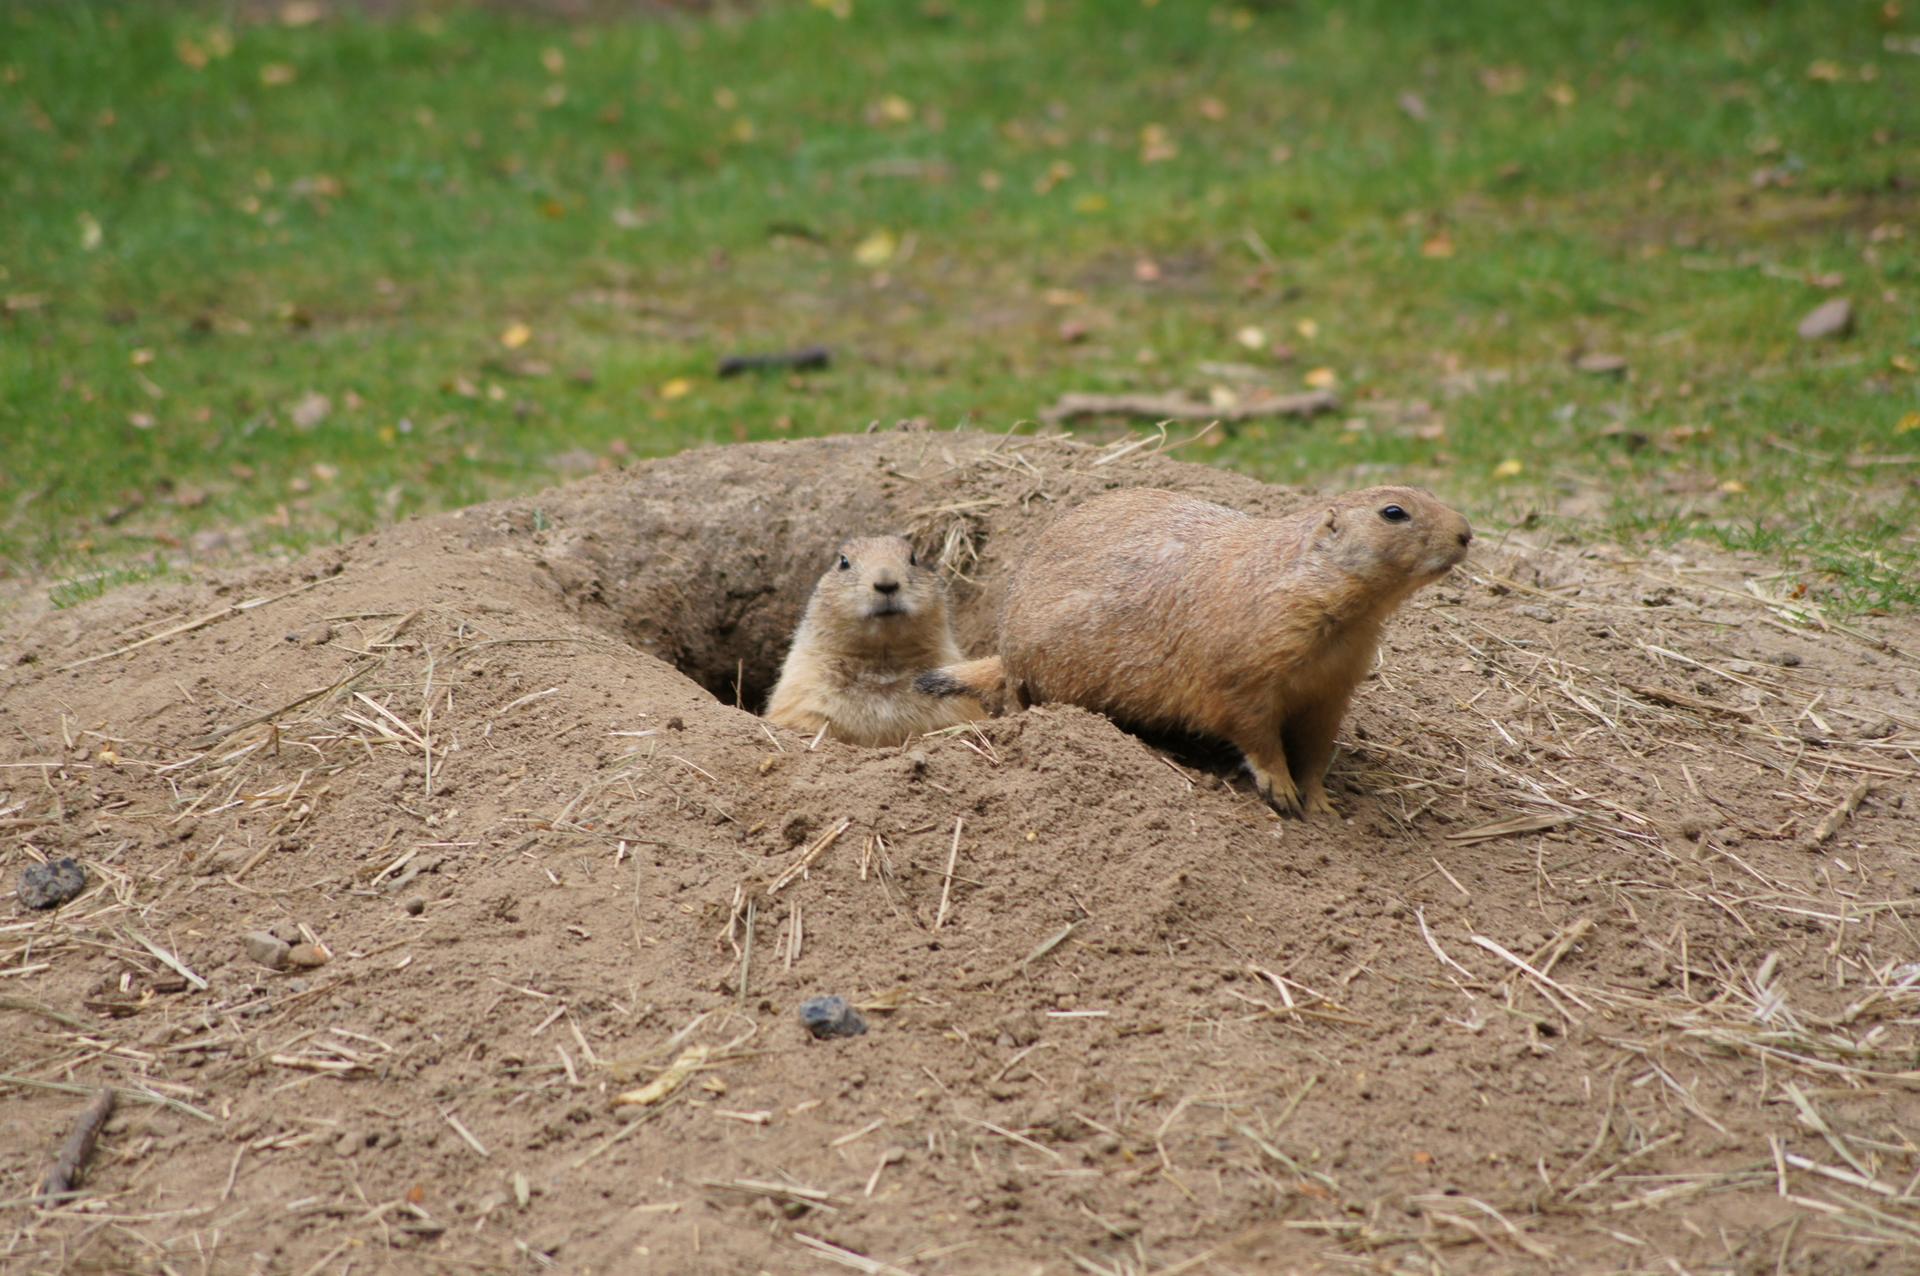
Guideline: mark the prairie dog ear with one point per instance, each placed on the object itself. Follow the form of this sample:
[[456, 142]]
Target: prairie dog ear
[[1331, 523]]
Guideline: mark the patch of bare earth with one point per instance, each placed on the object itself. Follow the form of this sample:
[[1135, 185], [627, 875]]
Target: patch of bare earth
[[1609, 962]]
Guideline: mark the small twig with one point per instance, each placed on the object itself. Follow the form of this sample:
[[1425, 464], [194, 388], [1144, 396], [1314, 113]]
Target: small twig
[[78, 1148], [809, 857]]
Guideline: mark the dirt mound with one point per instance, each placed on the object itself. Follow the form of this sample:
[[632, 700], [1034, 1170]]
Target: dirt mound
[[1610, 959]]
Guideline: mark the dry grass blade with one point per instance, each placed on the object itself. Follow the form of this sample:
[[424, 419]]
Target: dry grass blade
[[1830, 822], [946, 884], [848, 1258], [1544, 981], [1512, 826], [212, 617]]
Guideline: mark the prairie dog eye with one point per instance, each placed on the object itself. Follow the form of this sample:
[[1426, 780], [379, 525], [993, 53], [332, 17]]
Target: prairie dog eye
[[844, 564], [1394, 514], [913, 558]]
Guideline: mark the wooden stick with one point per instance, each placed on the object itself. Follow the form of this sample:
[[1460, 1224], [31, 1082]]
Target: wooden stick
[[75, 1152], [1177, 407]]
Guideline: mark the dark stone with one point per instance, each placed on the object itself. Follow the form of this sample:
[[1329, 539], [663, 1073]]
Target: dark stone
[[53, 884], [831, 1017]]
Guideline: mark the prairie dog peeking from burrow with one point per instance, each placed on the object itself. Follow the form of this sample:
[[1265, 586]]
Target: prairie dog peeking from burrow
[[877, 618]]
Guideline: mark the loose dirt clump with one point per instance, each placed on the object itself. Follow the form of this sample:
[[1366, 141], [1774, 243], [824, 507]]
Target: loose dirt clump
[[1609, 961]]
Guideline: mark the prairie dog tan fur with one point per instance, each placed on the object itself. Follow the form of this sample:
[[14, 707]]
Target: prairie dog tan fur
[[1171, 613], [876, 619]]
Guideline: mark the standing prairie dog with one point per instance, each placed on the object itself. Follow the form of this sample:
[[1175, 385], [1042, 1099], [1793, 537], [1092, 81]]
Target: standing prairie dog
[[1170, 613], [876, 619]]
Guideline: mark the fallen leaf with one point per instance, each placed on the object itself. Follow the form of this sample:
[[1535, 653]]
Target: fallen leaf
[[1322, 378], [1251, 337], [1090, 202], [1733, 487], [1307, 329], [678, 388], [190, 54], [140, 420], [1156, 145], [1824, 71], [1146, 270], [1211, 108], [1062, 297], [516, 335], [1908, 423], [891, 109], [876, 249], [1414, 107], [1507, 469], [1829, 319], [140, 358], [312, 408], [276, 74], [300, 13], [1503, 81], [1438, 246], [1562, 95], [1601, 365], [554, 60], [90, 232]]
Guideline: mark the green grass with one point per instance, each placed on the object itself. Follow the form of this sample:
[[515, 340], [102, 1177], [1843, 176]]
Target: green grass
[[206, 227]]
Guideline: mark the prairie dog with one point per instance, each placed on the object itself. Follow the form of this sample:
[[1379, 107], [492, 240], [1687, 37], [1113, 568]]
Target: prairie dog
[[1167, 612], [876, 619]]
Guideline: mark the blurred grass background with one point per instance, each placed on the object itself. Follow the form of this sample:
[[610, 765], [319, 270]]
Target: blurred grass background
[[273, 274]]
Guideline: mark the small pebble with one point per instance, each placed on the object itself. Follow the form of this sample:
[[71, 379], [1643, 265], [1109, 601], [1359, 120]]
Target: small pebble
[[831, 1017], [267, 950], [416, 906], [52, 884], [308, 955]]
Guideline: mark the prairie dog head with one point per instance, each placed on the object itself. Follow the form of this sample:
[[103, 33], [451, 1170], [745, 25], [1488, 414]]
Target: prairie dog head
[[877, 587], [1398, 537]]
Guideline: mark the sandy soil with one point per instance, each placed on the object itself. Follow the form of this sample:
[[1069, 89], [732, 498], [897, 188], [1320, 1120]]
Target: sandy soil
[[1575, 982]]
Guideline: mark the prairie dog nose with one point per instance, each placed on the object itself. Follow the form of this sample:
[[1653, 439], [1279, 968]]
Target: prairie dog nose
[[1466, 537], [886, 585]]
